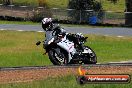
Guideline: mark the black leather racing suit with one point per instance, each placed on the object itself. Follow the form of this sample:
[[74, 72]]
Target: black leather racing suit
[[56, 30]]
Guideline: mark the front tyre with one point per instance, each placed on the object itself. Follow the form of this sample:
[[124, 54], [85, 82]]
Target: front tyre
[[91, 56], [58, 57]]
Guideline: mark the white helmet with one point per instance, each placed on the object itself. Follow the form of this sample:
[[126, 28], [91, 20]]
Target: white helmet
[[46, 22]]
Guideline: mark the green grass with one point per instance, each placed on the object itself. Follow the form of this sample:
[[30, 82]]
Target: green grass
[[19, 49], [26, 2], [116, 16], [110, 49], [50, 3], [57, 3], [62, 82], [119, 7]]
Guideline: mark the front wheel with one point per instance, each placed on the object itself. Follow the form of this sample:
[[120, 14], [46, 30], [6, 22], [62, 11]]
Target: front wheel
[[58, 57], [91, 56]]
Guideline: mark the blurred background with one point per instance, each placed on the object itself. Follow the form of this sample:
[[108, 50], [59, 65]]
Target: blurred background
[[115, 12]]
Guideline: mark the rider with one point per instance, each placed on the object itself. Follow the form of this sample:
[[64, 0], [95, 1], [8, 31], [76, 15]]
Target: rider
[[48, 25]]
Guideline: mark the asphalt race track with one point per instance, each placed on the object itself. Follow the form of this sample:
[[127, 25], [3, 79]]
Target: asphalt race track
[[116, 31]]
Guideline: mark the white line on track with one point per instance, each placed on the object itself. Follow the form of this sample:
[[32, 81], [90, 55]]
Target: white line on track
[[120, 36], [2, 29], [106, 35], [40, 31], [98, 63], [20, 30]]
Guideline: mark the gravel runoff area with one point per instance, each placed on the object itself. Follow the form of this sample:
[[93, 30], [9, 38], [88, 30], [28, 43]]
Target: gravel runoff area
[[15, 76]]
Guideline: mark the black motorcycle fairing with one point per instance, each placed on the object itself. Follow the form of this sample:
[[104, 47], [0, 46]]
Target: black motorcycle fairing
[[78, 41], [50, 46]]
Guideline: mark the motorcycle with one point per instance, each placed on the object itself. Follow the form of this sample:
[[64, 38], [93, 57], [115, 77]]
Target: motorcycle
[[63, 51]]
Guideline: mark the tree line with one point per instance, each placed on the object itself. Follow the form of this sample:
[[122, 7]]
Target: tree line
[[9, 2]]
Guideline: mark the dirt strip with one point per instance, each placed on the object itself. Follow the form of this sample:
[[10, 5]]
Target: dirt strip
[[39, 74], [30, 75]]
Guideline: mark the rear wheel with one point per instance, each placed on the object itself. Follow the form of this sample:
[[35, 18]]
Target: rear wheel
[[91, 57], [58, 57]]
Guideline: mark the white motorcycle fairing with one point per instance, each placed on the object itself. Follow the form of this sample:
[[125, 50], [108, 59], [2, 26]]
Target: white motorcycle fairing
[[68, 46]]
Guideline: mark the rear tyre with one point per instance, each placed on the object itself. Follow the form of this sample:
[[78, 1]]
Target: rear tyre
[[57, 59]]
